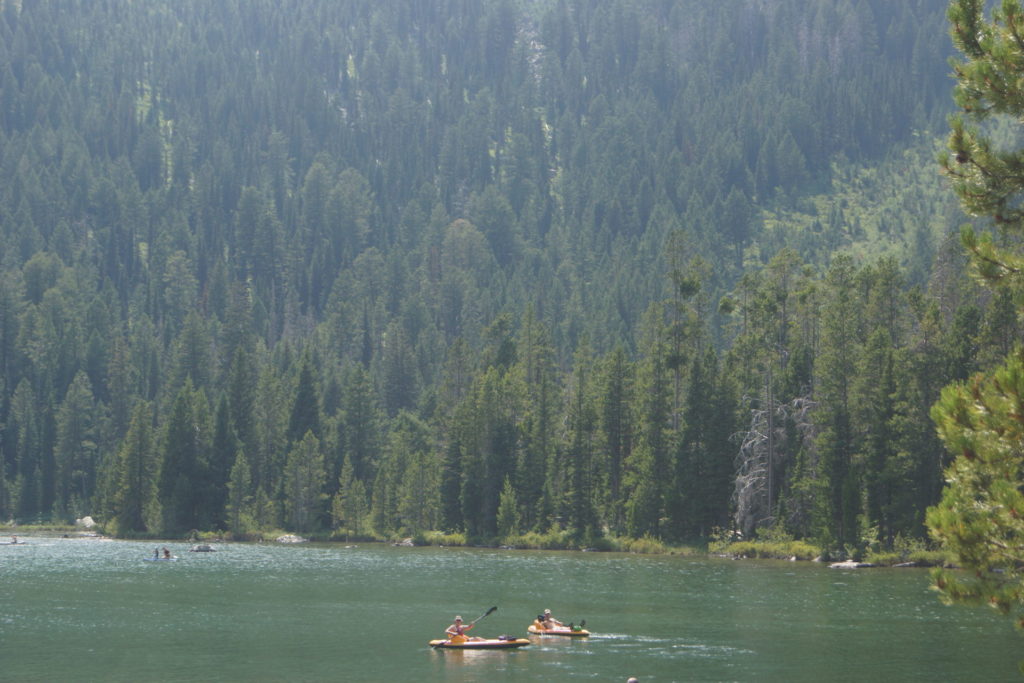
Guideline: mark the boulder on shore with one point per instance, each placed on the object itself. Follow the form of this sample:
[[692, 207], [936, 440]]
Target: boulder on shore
[[850, 564], [291, 538], [86, 522]]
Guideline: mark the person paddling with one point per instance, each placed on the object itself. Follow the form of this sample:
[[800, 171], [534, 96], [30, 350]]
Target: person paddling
[[167, 554], [457, 632]]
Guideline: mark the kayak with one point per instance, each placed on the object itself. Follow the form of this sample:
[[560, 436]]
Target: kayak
[[565, 631], [486, 644], [161, 559]]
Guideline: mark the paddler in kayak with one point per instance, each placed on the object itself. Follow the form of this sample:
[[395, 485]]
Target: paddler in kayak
[[457, 632]]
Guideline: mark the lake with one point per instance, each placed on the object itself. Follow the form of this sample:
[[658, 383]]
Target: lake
[[82, 609]]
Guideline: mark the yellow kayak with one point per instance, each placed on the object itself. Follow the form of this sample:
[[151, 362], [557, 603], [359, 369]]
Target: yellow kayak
[[482, 644], [564, 631]]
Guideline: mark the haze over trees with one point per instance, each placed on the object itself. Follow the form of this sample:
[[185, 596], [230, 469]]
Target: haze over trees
[[497, 268]]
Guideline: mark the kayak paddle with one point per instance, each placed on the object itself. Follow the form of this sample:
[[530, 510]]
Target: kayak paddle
[[483, 615]]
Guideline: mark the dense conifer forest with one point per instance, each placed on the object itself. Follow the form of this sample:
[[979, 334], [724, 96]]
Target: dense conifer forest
[[505, 269]]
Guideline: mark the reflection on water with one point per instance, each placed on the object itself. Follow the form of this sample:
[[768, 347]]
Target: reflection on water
[[93, 609]]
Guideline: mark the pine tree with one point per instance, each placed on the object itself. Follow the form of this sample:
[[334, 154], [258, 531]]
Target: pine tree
[[508, 511], [361, 424], [304, 483], [134, 506], [305, 414], [837, 442], [615, 432], [535, 373], [979, 516], [76, 449], [581, 515], [980, 420], [223, 455], [184, 454], [650, 462], [241, 390], [239, 511], [419, 486], [703, 472]]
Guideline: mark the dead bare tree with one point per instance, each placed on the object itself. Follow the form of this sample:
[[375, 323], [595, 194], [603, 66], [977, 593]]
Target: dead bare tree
[[766, 449]]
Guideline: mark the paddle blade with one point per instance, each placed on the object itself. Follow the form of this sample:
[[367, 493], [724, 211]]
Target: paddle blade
[[484, 614]]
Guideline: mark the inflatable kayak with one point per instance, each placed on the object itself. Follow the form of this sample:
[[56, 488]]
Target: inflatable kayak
[[173, 558], [564, 631], [485, 644]]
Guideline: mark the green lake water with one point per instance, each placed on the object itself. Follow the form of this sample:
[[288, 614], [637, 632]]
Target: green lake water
[[95, 610]]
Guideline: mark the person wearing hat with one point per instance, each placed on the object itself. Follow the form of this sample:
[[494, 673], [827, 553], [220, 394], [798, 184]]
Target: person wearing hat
[[457, 632], [549, 621]]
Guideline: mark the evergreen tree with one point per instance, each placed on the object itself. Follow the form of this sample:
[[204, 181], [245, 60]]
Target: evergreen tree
[[348, 508], [419, 487], [487, 434], [650, 473], [304, 483], [239, 512], [223, 457], [76, 449], [977, 518], [305, 413], [184, 457], [134, 506], [703, 474], [615, 432], [241, 390], [581, 514], [535, 373], [979, 421], [837, 443], [508, 511], [361, 424], [451, 487], [267, 461]]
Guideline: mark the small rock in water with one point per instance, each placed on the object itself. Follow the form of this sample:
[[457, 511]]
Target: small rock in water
[[850, 564]]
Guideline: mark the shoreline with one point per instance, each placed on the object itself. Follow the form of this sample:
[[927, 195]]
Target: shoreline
[[791, 551]]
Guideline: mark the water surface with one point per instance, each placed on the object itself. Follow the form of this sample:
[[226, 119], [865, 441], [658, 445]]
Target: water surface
[[94, 610]]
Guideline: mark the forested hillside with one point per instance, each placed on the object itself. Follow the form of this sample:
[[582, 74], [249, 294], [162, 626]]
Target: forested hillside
[[617, 268]]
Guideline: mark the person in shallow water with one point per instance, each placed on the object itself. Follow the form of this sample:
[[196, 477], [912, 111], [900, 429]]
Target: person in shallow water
[[457, 631]]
